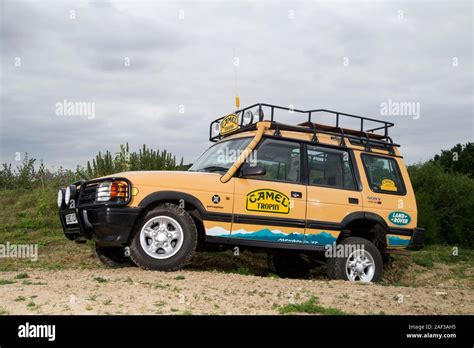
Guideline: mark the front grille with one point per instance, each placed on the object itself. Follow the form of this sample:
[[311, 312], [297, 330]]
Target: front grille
[[88, 192]]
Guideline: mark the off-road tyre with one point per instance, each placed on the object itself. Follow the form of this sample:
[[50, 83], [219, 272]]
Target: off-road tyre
[[288, 265], [113, 256], [336, 266], [185, 253]]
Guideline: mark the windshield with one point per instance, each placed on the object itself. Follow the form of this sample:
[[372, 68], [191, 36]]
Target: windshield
[[221, 156]]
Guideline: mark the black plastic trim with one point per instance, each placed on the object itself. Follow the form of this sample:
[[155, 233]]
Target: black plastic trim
[[172, 196], [220, 217], [323, 225], [401, 231]]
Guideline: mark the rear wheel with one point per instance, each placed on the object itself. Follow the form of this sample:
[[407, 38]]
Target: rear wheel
[[113, 256], [165, 240], [361, 261], [288, 266]]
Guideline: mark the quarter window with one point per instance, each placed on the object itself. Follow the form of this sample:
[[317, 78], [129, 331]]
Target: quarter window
[[383, 174], [330, 168]]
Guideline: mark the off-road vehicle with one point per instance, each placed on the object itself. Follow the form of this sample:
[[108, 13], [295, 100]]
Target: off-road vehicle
[[301, 192]]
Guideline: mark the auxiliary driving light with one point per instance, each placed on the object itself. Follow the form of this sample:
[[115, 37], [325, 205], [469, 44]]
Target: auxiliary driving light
[[70, 194], [60, 198], [247, 118]]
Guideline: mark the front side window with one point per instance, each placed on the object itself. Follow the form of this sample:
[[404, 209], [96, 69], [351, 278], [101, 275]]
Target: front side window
[[280, 158], [221, 156], [331, 168], [383, 174]]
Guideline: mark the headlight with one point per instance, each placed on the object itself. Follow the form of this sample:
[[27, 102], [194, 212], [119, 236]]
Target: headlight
[[112, 191], [60, 198], [70, 194]]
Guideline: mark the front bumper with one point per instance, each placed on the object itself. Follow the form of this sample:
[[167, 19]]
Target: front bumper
[[105, 224]]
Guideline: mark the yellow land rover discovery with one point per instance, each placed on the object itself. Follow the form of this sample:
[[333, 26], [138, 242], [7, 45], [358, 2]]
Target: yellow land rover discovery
[[304, 193]]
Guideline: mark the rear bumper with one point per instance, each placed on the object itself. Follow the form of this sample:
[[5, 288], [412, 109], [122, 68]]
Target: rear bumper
[[417, 239], [104, 224]]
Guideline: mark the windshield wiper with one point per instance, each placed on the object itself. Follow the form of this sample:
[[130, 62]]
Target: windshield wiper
[[214, 169]]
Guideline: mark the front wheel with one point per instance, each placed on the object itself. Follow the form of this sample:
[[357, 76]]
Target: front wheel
[[113, 256], [360, 261], [165, 240]]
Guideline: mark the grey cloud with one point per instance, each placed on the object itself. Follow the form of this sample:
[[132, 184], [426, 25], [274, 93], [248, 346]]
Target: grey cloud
[[189, 62]]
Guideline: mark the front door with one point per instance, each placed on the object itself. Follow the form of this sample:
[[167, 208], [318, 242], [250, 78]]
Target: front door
[[271, 207]]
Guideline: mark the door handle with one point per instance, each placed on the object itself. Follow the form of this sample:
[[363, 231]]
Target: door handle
[[295, 194], [353, 200]]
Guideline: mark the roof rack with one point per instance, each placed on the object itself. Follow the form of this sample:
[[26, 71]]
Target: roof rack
[[361, 136]]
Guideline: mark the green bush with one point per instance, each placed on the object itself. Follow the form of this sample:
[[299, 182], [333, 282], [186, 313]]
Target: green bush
[[445, 202], [26, 176]]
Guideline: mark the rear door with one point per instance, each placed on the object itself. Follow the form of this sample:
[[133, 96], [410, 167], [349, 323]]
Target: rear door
[[272, 207], [333, 193], [389, 196]]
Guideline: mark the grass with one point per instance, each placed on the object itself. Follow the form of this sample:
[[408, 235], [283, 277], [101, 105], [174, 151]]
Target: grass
[[311, 306], [180, 277], [160, 304], [31, 217], [6, 281], [161, 286], [22, 276], [423, 261], [429, 255], [430, 266], [100, 279], [242, 271]]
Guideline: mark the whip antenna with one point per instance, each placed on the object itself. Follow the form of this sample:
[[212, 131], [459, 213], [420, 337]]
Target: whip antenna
[[236, 63]]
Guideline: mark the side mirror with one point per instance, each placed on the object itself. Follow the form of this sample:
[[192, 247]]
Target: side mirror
[[248, 170]]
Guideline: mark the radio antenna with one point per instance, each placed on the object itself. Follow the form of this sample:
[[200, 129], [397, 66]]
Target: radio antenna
[[236, 63]]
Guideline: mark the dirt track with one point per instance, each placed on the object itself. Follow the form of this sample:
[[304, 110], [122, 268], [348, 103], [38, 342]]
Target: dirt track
[[134, 291]]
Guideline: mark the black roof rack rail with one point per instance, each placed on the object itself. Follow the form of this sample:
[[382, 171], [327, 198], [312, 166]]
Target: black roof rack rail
[[359, 136]]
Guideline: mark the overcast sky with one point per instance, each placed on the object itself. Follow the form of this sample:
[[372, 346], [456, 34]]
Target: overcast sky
[[141, 63]]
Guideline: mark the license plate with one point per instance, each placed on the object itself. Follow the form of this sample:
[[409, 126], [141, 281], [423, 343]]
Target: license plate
[[71, 219]]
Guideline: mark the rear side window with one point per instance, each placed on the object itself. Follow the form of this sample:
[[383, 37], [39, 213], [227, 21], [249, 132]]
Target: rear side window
[[383, 174], [330, 168]]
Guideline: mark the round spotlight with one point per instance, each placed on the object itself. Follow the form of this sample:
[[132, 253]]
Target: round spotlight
[[70, 194], [60, 198], [248, 118]]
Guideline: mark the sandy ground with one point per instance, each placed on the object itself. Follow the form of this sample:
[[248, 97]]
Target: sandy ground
[[135, 291]]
